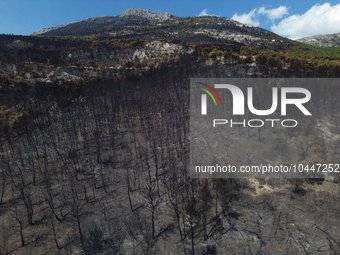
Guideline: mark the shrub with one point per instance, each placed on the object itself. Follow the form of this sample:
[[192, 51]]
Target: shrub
[[8, 120], [4, 78]]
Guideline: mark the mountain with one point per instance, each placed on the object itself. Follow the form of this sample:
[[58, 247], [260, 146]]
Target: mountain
[[94, 141], [107, 23], [143, 24], [329, 40]]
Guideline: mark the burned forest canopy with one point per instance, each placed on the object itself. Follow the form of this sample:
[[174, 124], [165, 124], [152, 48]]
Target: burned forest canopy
[[94, 133]]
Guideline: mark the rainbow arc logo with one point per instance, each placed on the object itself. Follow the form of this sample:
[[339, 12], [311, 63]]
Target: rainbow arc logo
[[204, 97]]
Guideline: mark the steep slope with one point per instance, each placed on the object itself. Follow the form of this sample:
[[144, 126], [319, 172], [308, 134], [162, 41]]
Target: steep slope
[[329, 40], [94, 143], [101, 164], [102, 24], [137, 24]]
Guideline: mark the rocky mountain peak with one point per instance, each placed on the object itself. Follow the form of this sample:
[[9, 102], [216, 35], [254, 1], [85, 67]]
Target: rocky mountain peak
[[159, 16], [328, 40]]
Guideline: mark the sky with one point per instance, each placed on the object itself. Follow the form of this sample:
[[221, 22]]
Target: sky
[[292, 19]]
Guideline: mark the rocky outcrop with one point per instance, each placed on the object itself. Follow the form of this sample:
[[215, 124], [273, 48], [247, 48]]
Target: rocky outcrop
[[157, 49], [58, 76], [159, 16], [102, 23], [330, 40]]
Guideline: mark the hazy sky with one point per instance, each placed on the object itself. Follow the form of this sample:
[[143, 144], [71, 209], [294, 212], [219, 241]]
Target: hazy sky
[[293, 19]]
